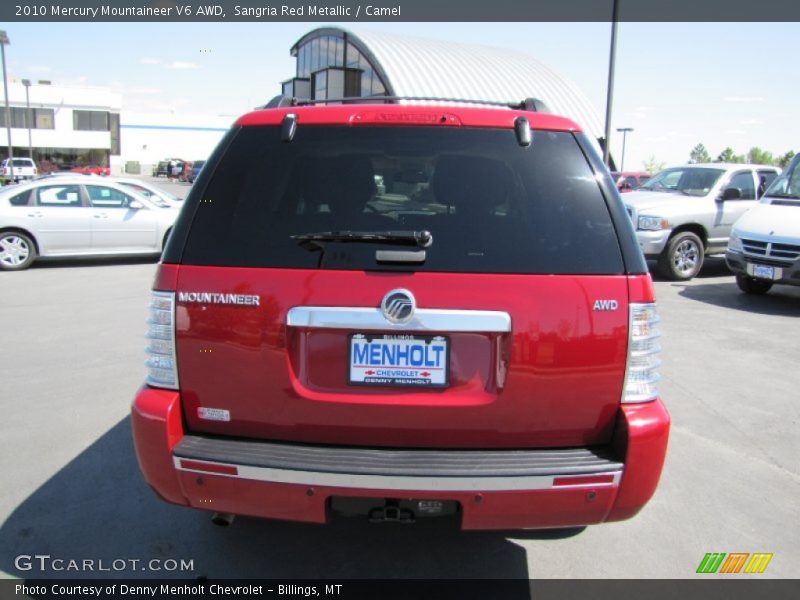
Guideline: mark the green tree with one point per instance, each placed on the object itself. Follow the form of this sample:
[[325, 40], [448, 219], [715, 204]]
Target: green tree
[[699, 154], [729, 156], [757, 156], [651, 165], [784, 160]]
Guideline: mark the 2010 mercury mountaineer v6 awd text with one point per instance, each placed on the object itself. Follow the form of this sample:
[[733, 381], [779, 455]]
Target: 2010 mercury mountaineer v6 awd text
[[404, 311]]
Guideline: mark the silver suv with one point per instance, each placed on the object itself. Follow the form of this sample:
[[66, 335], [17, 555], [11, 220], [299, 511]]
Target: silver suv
[[686, 212]]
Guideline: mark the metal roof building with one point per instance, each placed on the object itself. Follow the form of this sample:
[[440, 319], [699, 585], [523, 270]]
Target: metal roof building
[[333, 62]]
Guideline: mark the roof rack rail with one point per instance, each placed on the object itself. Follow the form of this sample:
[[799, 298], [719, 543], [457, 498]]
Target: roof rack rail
[[528, 104]]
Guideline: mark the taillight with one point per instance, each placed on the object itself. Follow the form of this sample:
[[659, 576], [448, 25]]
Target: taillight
[[162, 367], [641, 374]]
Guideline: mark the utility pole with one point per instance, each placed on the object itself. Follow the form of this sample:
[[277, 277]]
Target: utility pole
[[3, 41], [610, 90], [28, 115], [625, 131]]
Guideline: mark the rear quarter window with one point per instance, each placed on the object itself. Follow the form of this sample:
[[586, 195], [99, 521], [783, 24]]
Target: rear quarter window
[[20, 199], [491, 205]]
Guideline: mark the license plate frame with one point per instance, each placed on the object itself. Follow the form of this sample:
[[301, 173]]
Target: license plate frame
[[436, 376], [767, 272]]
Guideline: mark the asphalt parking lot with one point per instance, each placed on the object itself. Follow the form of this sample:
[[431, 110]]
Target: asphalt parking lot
[[72, 359]]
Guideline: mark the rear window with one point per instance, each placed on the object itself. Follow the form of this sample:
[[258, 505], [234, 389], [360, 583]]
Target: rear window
[[491, 205]]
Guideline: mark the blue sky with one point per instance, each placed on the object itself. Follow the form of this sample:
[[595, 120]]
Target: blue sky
[[677, 84]]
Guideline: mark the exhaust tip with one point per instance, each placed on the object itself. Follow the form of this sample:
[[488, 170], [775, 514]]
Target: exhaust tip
[[222, 519]]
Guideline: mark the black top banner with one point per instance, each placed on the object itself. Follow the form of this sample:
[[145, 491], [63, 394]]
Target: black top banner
[[400, 10]]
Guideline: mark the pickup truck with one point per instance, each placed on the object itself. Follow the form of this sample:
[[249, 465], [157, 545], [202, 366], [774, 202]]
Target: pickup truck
[[24, 168], [684, 213]]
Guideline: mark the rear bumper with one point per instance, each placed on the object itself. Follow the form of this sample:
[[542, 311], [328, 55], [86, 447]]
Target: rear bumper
[[494, 489]]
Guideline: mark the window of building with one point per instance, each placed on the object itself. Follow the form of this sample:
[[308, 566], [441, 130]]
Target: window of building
[[17, 115], [352, 83], [320, 85], [113, 121], [43, 118], [90, 120], [304, 61], [353, 56], [349, 73], [60, 159], [366, 82], [323, 52], [339, 59], [314, 54]]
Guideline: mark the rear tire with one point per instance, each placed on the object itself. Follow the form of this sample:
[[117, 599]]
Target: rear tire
[[749, 285], [17, 251], [683, 257]]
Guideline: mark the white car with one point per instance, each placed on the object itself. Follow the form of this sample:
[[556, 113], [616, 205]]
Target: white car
[[151, 192], [764, 247], [78, 216]]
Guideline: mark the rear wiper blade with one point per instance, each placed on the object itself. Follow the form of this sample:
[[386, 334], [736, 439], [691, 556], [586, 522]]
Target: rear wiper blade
[[422, 239]]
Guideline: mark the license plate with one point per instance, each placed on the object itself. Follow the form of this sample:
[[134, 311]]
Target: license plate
[[763, 271], [398, 360]]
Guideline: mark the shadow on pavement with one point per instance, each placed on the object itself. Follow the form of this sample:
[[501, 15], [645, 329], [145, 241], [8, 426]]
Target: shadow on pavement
[[97, 507], [780, 301]]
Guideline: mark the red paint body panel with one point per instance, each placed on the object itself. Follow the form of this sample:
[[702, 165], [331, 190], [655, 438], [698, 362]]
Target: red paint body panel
[[392, 115], [166, 278], [641, 435], [495, 510], [640, 288], [554, 380], [157, 427]]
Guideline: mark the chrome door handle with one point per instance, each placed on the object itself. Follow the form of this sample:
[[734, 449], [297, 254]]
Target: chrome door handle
[[35, 214], [101, 216]]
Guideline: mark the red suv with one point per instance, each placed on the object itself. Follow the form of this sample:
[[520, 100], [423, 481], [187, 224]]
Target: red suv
[[476, 337]]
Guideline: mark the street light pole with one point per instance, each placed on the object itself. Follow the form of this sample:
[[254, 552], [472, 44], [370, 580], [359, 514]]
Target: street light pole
[[624, 131], [28, 115], [3, 41], [610, 89]]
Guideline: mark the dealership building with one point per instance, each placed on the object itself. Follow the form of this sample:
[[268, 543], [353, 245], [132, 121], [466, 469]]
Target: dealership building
[[73, 125], [333, 62], [69, 125], [63, 125]]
